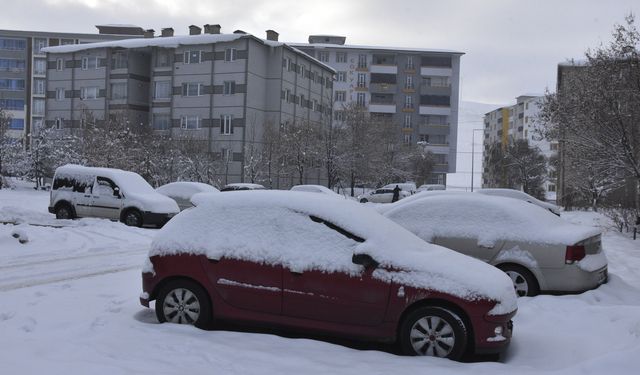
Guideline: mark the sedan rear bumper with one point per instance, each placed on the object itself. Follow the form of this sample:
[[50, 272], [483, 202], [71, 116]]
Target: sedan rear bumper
[[572, 279]]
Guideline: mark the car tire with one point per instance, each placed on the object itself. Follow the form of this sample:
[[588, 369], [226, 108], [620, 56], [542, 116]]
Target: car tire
[[132, 218], [64, 211], [433, 331], [184, 302], [524, 283], [363, 200]]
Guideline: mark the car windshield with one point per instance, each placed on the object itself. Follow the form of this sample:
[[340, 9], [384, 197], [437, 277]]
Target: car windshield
[[133, 183]]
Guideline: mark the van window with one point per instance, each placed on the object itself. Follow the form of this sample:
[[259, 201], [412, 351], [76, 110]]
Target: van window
[[105, 186], [73, 184]]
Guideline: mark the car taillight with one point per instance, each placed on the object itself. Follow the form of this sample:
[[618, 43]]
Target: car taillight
[[574, 253]]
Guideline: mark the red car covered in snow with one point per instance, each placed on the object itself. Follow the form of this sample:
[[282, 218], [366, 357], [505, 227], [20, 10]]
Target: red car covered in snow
[[320, 265]]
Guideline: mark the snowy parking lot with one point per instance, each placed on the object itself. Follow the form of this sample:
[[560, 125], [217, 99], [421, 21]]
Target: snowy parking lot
[[70, 306]]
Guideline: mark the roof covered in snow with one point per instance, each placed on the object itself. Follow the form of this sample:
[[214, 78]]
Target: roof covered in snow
[[488, 218], [376, 48], [288, 228]]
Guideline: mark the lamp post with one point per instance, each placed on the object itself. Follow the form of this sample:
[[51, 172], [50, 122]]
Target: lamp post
[[473, 153]]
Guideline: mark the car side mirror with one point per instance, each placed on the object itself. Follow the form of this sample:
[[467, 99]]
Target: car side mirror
[[365, 260], [116, 192]]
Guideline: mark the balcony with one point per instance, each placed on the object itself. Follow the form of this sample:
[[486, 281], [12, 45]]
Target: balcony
[[383, 88], [384, 69], [435, 110], [435, 71], [382, 107]]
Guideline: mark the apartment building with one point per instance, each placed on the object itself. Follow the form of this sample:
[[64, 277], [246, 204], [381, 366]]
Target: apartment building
[[415, 90], [516, 122], [222, 89], [23, 70]]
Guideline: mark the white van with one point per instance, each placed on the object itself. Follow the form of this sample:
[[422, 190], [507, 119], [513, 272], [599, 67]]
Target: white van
[[114, 194]]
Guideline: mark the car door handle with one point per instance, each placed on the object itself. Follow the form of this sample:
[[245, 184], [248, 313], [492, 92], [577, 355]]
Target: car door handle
[[296, 273], [214, 261], [87, 196]]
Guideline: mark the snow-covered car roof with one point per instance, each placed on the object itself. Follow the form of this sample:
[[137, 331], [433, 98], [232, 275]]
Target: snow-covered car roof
[[517, 194], [185, 189], [278, 227], [314, 189], [409, 186], [487, 218], [243, 186], [129, 181]]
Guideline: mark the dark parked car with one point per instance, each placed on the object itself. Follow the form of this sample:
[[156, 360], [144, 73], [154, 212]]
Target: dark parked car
[[317, 264]]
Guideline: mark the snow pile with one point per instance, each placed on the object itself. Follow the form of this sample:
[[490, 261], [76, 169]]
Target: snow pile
[[185, 189], [275, 227], [487, 218], [315, 189]]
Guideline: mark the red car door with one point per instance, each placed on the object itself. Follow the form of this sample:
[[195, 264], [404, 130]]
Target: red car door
[[247, 285], [335, 297]]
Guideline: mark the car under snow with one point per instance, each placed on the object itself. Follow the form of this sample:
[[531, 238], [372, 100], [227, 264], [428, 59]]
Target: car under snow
[[182, 191], [313, 263], [540, 252]]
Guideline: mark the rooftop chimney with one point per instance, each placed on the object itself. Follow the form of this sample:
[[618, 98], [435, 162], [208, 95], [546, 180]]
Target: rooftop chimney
[[212, 29], [149, 33], [239, 32], [272, 35], [167, 31], [194, 30]]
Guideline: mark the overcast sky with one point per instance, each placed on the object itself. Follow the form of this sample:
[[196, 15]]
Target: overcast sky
[[512, 47]]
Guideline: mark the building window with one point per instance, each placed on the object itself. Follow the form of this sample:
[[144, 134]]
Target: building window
[[323, 56], [230, 54], [88, 93], [286, 95], [119, 90], [162, 90], [360, 99], [38, 107], [12, 104], [408, 101], [39, 86], [338, 115], [38, 45], [12, 65], [553, 146], [190, 122], [407, 121], [229, 88], [12, 84], [16, 124], [163, 58], [39, 66], [226, 124], [551, 188], [59, 123], [89, 63], [362, 61], [13, 44], [119, 60], [59, 65], [408, 84], [341, 76], [410, 62], [302, 70], [424, 138], [191, 89], [437, 81], [407, 139], [59, 93], [341, 57], [362, 80], [192, 57], [341, 96], [161, 121]]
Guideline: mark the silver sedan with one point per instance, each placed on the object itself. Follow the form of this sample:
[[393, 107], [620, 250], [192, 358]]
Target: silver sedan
[[539, 251]]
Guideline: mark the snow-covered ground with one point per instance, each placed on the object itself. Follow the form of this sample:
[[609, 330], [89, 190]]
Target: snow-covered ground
[[70, 306]]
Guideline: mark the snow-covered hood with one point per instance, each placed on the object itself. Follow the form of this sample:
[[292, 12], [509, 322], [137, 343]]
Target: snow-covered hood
[[274, 227], [153, 202]]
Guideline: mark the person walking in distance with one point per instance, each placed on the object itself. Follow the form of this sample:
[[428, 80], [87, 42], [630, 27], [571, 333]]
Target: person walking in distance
[[396, 194]]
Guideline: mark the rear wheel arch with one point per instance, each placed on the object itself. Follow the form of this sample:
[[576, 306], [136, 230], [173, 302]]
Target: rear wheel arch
[[444, 304], [63, 202], [525, 270]]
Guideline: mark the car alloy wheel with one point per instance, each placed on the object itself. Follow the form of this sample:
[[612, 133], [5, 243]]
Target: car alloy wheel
[[181, 306], [63, 212], [433, 331], [524, 283], [133, 218], [184, 301], [520, 284]]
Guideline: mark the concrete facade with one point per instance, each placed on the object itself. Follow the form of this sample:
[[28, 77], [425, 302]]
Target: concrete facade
[[23, 70], [516, 122], [417, 90], [219, 88]]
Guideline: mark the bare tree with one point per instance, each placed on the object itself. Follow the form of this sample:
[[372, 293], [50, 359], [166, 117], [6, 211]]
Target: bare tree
[[596, 112]]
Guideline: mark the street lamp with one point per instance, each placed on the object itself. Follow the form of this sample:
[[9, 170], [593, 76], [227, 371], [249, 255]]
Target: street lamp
[[473, 155]]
